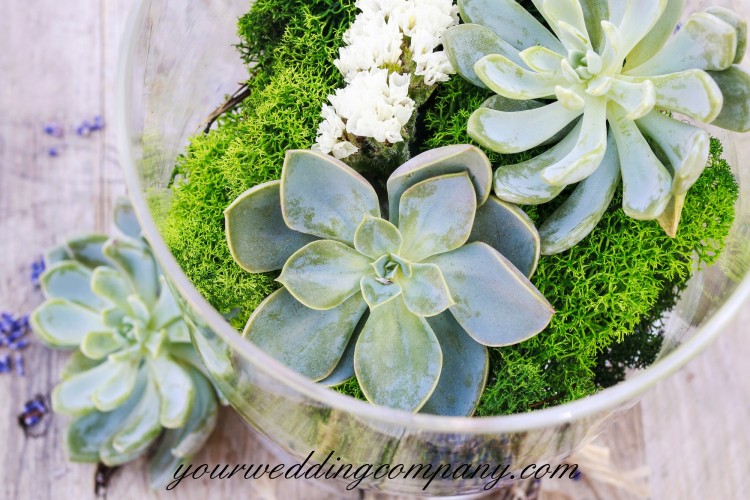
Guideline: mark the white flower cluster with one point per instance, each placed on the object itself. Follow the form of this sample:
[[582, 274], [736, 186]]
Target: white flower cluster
[[376, 103]]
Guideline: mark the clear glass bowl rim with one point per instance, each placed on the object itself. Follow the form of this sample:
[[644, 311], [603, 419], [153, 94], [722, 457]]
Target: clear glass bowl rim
[[604, 401]]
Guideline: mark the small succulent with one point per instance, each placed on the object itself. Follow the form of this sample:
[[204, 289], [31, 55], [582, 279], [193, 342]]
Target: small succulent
[[406, 304], [134, 375], [614, 62]]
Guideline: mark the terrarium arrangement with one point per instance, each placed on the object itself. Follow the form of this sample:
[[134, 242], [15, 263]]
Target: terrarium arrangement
[[368, 213], [134, 383]]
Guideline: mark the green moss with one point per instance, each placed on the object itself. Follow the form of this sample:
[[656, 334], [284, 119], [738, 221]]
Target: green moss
[[249, 145], [608, 291]]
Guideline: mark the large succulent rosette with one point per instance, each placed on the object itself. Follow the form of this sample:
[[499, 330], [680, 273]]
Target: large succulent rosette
[[600, 87], [408, 304]]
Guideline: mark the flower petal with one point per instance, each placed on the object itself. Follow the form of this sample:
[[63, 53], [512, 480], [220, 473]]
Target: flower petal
[[376, 237], [324, 274], [658, 35], [515, 132], [582, 211], [522, 183], [60, 323], [345, 368], [397, 358], [588, 152], [705, 42], [496, 304], [71, 280], [125, 218], [259, 239], [511, 22], [308, 341], [464, 373], [135, 261], [324, 197], [510, 80], [426, 292], [647, 185], [88, 250], [376, 293], [436, 215], [686, 147], [176, 391], [437, 162], [735, 87], [465, 44], [508, 229]]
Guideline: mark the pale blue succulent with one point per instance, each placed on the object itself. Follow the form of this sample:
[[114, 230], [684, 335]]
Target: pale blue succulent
[[135, 376], [617, 63], [406, 304]]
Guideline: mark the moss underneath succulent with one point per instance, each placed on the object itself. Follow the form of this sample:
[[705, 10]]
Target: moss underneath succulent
[[607, 291]]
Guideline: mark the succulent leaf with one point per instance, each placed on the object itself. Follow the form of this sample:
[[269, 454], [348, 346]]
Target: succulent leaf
[[436, 215], [323, 197], [471, 42], [582, 211], [735, 87], [345, 368], [692, 93], [77, 363], [376, 237], [75, 395], [376, 291], [61, 323], [508, 229], [175, 388], [397, 358], [495, 303], [647, 185], [510, 21], [134, 260], [437, 162], [426, 293], [705, 42], [523, 182], [313, 341], [71, 280], [88, 250], [464, 371], [109, 284], [738, 23], [514, 132], [125, 218], [87, 434], [508, 79], [258, 238], [141, 428], [118, 388], [324, 274], [638, 20], [658, 36], [166, 311], [593, 12], [98, 345]]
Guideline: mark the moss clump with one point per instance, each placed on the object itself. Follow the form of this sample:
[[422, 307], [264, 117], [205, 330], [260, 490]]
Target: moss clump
[[607, 291]]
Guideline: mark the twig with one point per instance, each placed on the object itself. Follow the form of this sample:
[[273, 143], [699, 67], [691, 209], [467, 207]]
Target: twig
[[240, 95]]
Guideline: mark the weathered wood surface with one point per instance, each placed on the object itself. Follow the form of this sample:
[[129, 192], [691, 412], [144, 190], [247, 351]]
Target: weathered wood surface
[[58, 64]]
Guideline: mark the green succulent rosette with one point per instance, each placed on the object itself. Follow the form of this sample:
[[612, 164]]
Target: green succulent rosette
[[599, 88], [134, 382], [407, 304]]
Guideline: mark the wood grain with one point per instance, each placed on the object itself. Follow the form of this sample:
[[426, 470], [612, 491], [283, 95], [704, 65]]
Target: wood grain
[[58, 64]]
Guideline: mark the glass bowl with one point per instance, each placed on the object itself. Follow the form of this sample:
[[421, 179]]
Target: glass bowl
[[178, 64]]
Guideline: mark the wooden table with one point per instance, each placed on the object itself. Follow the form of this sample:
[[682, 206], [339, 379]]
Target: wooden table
[[58, 64]]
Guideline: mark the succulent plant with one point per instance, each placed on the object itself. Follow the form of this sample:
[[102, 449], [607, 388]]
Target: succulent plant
[[134, 375], [614, 62], [406, 304]]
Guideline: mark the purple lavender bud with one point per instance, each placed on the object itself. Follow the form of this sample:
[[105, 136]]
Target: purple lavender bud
[[5, 364], [37, 268], [98, 123], [84, 129], [20, 371], [18, 346], [53, 129], [6, 323], [53, 152], [31, 420]]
